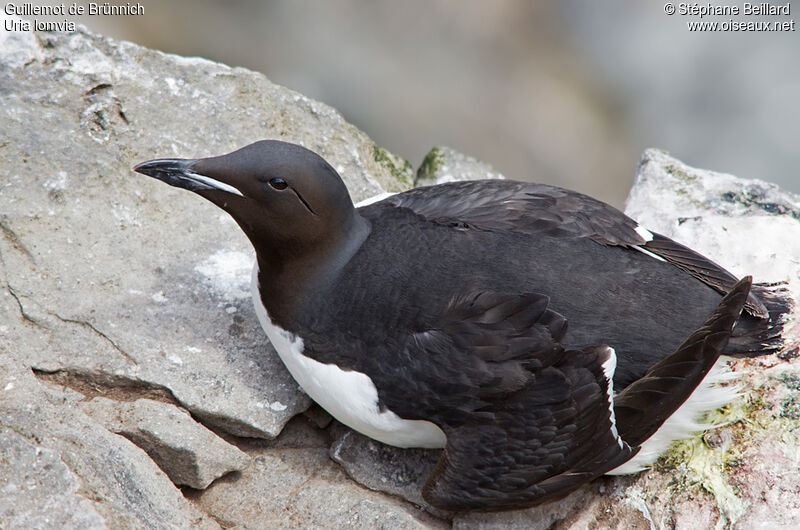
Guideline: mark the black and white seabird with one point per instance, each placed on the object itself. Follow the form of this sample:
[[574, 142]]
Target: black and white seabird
[[438, 318]]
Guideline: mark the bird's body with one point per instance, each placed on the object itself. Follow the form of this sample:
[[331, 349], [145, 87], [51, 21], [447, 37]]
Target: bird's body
[[609, 296], [438, 318]]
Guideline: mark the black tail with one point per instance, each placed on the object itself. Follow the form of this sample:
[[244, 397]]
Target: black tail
[[754, 336], [647, 402], [759, 330]]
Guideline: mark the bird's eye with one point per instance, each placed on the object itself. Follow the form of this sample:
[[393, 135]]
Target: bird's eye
[[278, 183]]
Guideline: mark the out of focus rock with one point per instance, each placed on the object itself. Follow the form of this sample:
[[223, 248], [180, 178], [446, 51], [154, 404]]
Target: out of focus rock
[[443, 164]]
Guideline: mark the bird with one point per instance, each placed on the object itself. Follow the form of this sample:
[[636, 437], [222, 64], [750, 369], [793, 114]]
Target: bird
[[538, 336]]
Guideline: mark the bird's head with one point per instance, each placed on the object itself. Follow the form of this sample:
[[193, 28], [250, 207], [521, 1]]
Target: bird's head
[[288, 200]]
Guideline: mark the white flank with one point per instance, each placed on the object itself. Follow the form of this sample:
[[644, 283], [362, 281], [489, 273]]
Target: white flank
[[708, 396], [215, 183], [349, 396], [609, 367]]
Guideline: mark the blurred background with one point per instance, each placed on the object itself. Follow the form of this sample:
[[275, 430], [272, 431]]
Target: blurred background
[[566, 92]]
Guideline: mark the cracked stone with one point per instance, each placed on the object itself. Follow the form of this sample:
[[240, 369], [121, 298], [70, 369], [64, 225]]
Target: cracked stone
[[61, 469], [292, 483], [45, 480], [189, 453], [380, 467]]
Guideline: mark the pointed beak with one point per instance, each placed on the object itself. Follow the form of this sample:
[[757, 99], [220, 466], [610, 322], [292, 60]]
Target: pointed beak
[[179, 172]]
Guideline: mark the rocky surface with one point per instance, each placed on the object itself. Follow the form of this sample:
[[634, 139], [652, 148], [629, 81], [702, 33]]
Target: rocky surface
[[384, 468], [114, 285], [61, 469], [138, 283], [124, 302], [294, 484], [187, 452]]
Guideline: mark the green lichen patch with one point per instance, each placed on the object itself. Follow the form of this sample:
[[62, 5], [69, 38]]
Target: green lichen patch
[[706, 469], [398, 167], [769, 408], [431, 164], [789, 405], [680, 173]]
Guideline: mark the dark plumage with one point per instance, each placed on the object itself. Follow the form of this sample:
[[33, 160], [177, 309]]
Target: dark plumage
[[495, 310]]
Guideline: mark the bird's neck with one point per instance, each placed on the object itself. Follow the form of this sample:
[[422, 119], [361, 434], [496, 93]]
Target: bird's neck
[[290, 280]]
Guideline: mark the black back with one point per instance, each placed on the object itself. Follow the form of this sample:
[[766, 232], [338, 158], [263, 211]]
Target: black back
[[640, 306]]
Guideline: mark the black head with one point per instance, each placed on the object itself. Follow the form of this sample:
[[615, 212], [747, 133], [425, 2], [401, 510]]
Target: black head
[[290, 202], [277, 192]]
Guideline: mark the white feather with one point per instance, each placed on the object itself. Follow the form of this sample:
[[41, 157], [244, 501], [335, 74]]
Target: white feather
[[646, 234], [643, 251], [709, 395], [609, 367]]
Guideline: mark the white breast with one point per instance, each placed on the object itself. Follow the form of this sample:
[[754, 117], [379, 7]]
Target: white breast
[[349, 396]]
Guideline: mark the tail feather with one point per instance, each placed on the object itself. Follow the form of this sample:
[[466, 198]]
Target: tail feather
[[755, 336]]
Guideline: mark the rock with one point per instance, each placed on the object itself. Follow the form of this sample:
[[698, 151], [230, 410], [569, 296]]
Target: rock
[[60, 469], [293, 484], [443, 164], [116, 281], [113, 285], [189, 454], [380, 467], [749, 226], [318, 415], [32, 477]]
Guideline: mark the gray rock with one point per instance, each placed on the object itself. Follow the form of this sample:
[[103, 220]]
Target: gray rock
[[114, 285], [318, 415], [189, 454], [117, 281], [60, 469], [293, 484], [749, 226], [380, 467], [443, 164], [38, 489]]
